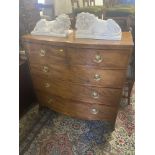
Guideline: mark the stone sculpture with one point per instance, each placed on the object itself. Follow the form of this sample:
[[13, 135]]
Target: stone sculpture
[[90, 26], [58, 27]]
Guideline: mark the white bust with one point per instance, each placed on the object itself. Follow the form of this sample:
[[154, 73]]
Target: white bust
[[90, 26], [57, 27]]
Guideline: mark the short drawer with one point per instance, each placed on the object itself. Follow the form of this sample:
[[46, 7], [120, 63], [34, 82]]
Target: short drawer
[[106, 96], [102, 58], [85, 75], [78, 109], [43, 54]]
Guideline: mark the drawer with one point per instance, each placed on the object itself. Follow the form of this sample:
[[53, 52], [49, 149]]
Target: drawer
[[85, 75], [78, 109], [107, 96], [43, 54], [102, 58]]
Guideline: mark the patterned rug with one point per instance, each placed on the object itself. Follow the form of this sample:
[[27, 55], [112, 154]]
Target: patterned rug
[[49, 133]]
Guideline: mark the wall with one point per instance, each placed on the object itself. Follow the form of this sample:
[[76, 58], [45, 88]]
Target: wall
[[64, 6]]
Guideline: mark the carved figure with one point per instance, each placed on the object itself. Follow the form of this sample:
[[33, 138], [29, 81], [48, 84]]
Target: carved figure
[[90, 26], [58, 27]]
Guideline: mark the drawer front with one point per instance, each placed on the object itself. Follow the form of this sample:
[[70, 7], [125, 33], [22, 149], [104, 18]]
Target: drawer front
[[107, 96], [102, 58], [81, 75], [78, 109], [44, 54]]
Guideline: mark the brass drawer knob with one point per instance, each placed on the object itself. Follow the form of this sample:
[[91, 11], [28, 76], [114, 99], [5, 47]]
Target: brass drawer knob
[[42, 52], [94, 111], [95, 94], [47, 85], [45, 69], [61, 50], [50, 100], [97, 77], [98, 58]]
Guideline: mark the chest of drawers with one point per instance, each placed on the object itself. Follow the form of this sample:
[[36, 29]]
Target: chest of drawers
[[81, 78]]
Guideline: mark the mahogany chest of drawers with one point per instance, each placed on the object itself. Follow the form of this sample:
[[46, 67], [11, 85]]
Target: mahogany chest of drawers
[[81, 78]]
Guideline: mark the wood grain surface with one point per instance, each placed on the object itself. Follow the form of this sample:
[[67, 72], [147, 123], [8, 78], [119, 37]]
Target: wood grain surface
[[77, 109], [81, 78]]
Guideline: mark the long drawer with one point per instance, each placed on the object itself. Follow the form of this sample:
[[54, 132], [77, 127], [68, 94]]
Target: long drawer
[[105, 58], [68, 90], [86, 75], [78, 109]]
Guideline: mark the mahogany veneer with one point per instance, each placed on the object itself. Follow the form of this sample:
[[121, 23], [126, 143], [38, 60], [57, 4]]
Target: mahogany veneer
[[79, 77]]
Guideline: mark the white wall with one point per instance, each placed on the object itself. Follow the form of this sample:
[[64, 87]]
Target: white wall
[[99, 2], [64, 6]]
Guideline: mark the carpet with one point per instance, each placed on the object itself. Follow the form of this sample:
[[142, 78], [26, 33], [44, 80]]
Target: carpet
[[49, 133]]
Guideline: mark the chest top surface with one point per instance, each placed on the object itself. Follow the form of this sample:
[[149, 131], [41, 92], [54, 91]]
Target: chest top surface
[[71, 41]]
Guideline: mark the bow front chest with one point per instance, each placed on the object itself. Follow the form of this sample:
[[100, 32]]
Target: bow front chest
[[81, 78]]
